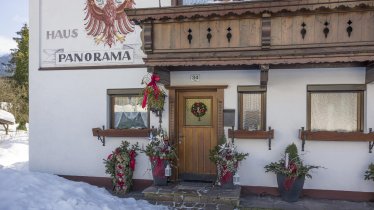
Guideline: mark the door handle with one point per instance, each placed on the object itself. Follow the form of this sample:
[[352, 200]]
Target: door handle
[[180, 138]]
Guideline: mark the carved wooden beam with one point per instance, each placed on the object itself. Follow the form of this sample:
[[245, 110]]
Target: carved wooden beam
[[264, 75], [162, 72], [275, 7], [266, 31], [351, 54], [176, 2], [148, 37], [369, 73]]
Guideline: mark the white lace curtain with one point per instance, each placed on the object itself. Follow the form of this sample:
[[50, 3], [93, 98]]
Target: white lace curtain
[[252, 111], [334, 111]]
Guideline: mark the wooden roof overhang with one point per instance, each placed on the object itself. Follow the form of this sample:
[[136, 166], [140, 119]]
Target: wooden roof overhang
[[258, 33]]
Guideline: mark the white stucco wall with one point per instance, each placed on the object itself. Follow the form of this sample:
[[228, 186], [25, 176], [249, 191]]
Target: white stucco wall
[[66, 105], [345, 162]]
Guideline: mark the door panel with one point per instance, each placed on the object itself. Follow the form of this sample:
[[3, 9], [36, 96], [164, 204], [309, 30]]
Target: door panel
[[197, 135]]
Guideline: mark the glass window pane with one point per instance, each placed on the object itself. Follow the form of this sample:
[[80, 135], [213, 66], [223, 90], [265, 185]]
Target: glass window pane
[[252, 113], [334, 111], [128, 113]]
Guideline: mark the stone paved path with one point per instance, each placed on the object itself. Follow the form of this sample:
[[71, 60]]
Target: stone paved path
[[268, 203]]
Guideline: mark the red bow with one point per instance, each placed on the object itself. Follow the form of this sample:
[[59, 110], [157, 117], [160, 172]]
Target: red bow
[[155, 78], [288, 182], [132, 160]]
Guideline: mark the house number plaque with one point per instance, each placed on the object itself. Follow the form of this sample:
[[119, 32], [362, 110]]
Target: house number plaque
[[195, 77]]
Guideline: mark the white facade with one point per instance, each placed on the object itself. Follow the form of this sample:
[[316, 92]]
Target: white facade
[[65, 105]]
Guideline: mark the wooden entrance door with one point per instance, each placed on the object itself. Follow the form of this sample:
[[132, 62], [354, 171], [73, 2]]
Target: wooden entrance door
[[196, 134]]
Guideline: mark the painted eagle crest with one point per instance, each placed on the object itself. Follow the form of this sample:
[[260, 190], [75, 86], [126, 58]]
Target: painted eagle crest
[[108, 23]]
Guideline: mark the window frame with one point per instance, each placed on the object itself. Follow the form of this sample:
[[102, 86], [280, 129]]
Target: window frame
[[339, 88], [127, 92], [248, 89]]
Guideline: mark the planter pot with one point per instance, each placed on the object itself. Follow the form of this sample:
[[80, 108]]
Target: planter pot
[[158, 171], [227, 181], [293, 193]]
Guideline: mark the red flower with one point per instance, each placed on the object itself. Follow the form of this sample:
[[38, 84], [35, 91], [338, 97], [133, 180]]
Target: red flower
[[110, 156], [121, 183], [118, 151]]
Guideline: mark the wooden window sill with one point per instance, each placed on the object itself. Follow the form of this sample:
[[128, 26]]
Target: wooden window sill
[[121, 132], [243, 134], [335, 136]]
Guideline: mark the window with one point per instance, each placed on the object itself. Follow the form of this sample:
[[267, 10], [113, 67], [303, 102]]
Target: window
[[252, 107], [126, 111], [336, 107]]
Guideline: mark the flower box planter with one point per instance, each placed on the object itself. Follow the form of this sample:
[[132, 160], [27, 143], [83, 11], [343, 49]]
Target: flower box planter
[[292, 194], [308, 135], [244, 134], [335, 136], [120, 132]]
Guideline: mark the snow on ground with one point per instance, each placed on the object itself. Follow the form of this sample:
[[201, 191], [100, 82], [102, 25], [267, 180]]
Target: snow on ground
[[14, 150], [22, 189]]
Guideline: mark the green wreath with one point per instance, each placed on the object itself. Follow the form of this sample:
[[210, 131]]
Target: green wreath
[[199, 109]]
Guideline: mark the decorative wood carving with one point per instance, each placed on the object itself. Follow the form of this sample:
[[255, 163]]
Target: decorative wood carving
[[326, 30], [266, 31], [120, 132], [228, 35], [249, 8], [189, 36], [347, 54], [349, 28], [148, 37], [209, 35], [264, 74], [303, 30]]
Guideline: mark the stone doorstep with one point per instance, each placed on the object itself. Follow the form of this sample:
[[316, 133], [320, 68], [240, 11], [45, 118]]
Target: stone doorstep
[[193, 194]]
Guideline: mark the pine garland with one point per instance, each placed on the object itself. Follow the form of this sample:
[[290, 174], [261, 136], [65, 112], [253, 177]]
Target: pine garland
[[227, 159], [120, 165], [154, 103], [159, 149], [295, 168]]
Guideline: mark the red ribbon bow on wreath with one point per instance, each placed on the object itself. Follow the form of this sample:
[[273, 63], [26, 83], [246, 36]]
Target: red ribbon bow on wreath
[[155, 78]]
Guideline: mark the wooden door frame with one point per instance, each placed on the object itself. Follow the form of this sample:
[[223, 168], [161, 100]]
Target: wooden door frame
[[173, 109]]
